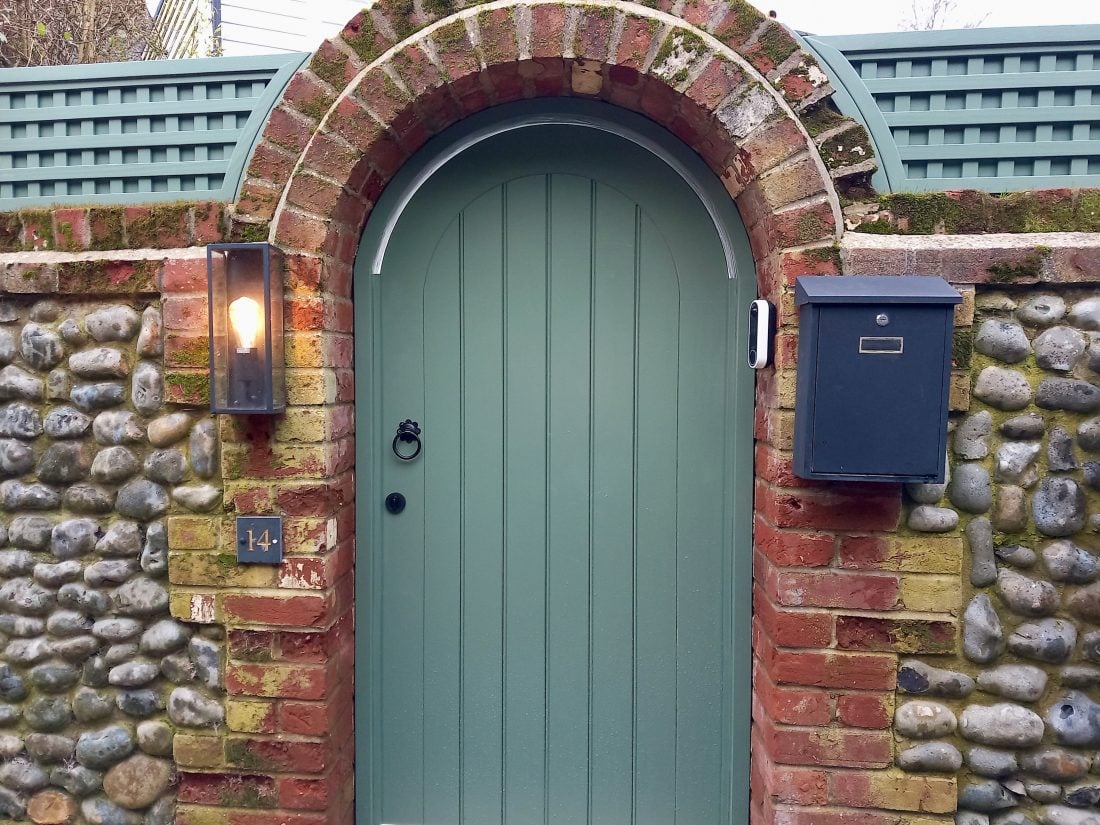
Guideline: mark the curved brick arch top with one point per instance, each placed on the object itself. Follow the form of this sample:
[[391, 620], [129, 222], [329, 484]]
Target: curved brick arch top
[[718, 75]]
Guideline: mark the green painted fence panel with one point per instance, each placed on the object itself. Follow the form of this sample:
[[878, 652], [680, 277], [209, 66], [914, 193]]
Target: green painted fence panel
[[136, 132], [998, 110]]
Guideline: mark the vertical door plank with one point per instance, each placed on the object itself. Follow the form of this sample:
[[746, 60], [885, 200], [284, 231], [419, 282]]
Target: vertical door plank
[[611, 575], [443, 534], [701, 592], [568, 498], [525, 527], [655, 549], [483, 508], [402, 562]]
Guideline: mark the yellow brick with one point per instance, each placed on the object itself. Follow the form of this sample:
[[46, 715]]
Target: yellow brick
[[931, 594], [304, 349], [925, 554], [309, 424], [203, 569], [193, 532], [785, 385], [964, 312], [244, 716], [191, 606], [782, 432], [899, 791], [202, 815], [310, 387], [959, 396], [193, 751]]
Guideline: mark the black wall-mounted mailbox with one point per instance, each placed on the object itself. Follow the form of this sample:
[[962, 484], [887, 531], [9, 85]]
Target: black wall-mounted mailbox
[[874, 360]]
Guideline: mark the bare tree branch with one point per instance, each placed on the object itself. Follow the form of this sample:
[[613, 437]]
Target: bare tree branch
[[62, 32], [926, 15]]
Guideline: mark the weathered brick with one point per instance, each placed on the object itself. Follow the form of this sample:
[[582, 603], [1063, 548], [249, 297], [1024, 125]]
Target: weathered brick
[[893, 790]]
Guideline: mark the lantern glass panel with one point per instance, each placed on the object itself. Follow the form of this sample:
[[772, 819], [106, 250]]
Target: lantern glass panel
[[246, 328]]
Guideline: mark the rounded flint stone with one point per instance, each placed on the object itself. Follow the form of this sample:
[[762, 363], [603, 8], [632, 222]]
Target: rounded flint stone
[[1070, 394], [55, 575], [50, 748], [78, 596], [48, 714], [72, 332], [987, 795], [123, 538], [90, 705], [76, 649], [140, 596], [1014, 459], [15, 563], [990, 762], [101, 362], [983, 565], [168, 429], [1049, 640], [1001, 725], [1010, 509], [166, 466], [74, 538], [54, 678], [1026, 596], [136, 673], [113, 323], [927, 519], [142, 499], [983, 636], [930, 756], [22, 774], [30, 531], [140, 703], [970, 489], [89, 498], [22, 627], [1090, 646], [922, 719], [26, 597], [189, 708], [204, 448], [66, 422], [971, 437], [1002, 340], [59, 383], [76, 779], [103, 748], [41, 347], [1086, 314], [18, 383], [1042, 310], [116, 427], [15, 495], [114, 464], [1003, 389], [1016, 555], [198, 498], [1066, 562], [20, 420], [1055, 765], [1058, 507], [1024, 683], [1075, 721], [97, 396], [101, 811], [7, 346], [1059, 348], [1029, 426], [147, 388], [117, 654], [65, 623], [163, 637], [154, 556], [64, 463], [149, 342], [1088, 435], [109, 571], [1060, 457], [16, 458]]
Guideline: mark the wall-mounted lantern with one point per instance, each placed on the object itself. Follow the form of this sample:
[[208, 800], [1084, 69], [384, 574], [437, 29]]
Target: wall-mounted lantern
[[246, 328]]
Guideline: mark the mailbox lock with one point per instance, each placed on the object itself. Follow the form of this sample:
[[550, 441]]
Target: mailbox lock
[[882, 319]]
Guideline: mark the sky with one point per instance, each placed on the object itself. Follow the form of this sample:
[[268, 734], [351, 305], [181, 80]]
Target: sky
[[862, 16]]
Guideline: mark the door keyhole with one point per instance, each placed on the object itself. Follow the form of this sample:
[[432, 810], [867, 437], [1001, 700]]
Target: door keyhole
[[395, 503]]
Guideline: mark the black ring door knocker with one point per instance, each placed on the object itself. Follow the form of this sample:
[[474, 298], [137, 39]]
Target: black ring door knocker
[[408, 432]]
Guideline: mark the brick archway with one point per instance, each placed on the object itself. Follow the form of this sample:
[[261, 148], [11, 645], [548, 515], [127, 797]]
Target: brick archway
[[720, 77]]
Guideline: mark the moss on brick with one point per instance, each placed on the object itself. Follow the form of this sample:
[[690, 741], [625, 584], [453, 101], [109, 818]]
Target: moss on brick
[[250, 232], [238, 754], [451, 38], [330, 70], [980, 212], [187, 387], [41, 220], [400, 14], [742, 20], [106, 229], [821, 118], [776, 44], [10, 227], [364, 42], [824, 255], [191, 352], [962, 348], [145, 231], [1028, 268], [317, 106], [1087, 217], [848, 148], [439, 8]]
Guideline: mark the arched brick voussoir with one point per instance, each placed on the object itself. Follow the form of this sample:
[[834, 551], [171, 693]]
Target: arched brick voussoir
[[682, 76]]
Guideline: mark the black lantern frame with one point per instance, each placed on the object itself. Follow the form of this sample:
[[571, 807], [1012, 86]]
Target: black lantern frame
[[247, 369]]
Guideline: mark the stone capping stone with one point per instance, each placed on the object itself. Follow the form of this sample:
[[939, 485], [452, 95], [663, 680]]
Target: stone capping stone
[[1001, 259]]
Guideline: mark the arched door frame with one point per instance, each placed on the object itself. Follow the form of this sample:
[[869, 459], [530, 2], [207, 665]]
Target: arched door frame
[[740, 270]]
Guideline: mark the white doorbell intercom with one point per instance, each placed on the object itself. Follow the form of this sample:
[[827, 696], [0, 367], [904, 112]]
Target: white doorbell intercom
[[761, 334]]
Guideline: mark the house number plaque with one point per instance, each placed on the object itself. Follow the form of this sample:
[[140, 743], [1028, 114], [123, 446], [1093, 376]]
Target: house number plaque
[[259, 539]]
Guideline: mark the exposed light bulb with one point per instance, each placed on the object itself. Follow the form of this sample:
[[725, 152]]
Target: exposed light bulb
[[244, 317]]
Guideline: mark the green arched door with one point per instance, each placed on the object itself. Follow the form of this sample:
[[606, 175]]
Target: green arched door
[[555, 628]]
